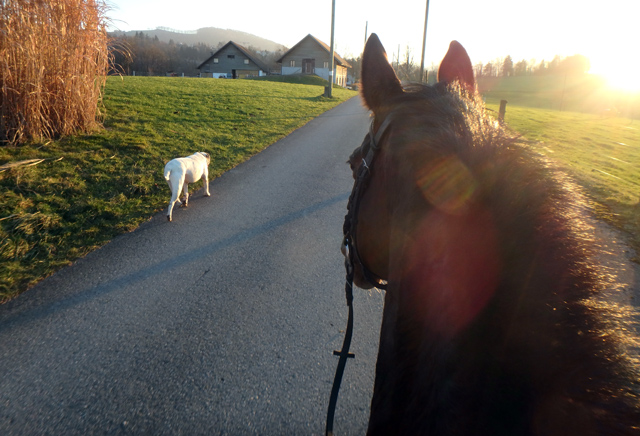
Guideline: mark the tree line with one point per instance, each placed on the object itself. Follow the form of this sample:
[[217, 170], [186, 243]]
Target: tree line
[[506, 67], [408, 70], [144, 55]]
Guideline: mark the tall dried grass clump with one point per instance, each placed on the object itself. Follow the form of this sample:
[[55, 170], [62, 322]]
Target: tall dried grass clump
[[53, 64]]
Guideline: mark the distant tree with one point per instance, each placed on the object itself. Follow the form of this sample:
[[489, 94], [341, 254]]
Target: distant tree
[[575, 65], [488, 70], [507, 67], [356, 67], [120, 51], [269, 58], [554, 66], [521, 68], [541, 69], [146, 55], [478, 69], [408, 71]]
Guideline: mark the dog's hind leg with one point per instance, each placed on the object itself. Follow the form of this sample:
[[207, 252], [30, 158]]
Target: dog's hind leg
[[186, 194], [175, 192], [205, 176]]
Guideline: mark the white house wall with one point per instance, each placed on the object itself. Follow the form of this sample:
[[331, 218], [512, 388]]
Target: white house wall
[[340, 73], [322, 72], [291, 70]]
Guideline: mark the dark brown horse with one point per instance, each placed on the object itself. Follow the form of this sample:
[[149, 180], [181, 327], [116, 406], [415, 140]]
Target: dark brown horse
[[487, 327]]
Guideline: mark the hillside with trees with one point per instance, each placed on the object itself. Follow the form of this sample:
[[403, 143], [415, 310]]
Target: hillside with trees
[[211, 36], [144, 54]]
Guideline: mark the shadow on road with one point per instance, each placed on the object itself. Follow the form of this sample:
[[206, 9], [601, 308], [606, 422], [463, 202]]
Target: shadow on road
[[20, 317]]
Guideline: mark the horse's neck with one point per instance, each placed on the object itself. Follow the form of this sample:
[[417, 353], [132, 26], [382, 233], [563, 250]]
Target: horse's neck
[[447, 270], [468, 321]]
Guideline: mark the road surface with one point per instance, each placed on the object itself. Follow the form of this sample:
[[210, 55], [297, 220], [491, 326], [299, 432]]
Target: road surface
[[222, 322]]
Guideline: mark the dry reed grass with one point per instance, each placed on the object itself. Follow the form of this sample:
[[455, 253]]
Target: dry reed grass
[[53, 64]]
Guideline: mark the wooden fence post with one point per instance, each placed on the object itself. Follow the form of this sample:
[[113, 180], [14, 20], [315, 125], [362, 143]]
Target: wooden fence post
[[503, 110]]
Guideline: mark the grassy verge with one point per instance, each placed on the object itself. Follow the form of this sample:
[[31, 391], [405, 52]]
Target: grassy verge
[[602, 153], [90, 188]]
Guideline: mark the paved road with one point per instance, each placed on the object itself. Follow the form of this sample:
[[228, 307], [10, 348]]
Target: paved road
[[221, 322]]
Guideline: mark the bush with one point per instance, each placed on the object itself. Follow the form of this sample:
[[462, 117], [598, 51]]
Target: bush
[[53, 65]]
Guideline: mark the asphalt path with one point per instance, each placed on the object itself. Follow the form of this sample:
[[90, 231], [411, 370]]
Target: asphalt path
[[222, 322]]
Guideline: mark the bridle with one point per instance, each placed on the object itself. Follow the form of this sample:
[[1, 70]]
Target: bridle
[[369, 149]]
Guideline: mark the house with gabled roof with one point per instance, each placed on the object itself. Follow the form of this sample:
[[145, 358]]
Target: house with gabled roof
[[233, 61], [312, 56]]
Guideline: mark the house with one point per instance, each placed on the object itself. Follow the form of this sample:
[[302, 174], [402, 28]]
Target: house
[[312, 56], [232, 61]]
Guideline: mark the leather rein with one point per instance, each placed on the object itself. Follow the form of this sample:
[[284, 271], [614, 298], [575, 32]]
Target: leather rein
[[369, 148]]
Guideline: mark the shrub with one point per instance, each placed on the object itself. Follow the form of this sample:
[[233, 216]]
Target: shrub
[[53, 65]]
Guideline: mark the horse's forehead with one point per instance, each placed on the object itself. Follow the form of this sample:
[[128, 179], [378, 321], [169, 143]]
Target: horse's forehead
[[412, 134]]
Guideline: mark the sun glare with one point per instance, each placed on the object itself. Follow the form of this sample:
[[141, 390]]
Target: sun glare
[[623, 81], [621, 76]]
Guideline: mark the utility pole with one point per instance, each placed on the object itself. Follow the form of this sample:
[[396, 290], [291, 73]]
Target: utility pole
[[366, 27], [333, 21], [424, 42]]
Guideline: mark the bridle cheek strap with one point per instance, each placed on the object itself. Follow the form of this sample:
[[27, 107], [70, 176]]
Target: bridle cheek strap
[[370, 147]]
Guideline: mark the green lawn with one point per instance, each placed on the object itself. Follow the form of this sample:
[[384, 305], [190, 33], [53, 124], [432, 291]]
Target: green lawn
[[602, 153], [93, 187]]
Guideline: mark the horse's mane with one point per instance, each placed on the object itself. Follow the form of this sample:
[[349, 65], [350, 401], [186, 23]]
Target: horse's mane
[[540, 330]]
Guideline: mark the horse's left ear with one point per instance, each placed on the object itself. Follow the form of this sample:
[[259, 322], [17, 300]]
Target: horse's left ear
[[456, 66], [379, 81]]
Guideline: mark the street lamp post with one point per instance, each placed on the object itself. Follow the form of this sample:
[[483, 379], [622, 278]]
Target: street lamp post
[[424, 42], [331, 63]]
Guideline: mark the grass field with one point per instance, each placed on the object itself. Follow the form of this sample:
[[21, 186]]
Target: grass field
[[602, 154], [90, 188]]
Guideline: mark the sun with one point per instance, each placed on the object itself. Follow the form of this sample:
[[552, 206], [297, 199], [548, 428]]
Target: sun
[[620, 75], [623, 81]]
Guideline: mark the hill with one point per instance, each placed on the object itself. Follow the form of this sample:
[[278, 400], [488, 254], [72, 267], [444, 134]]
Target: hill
[[211, 36]]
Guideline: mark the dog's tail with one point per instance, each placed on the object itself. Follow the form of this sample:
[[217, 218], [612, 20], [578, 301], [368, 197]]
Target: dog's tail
[[167, 174]]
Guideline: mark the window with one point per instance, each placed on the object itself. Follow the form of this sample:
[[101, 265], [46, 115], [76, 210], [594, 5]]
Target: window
[[231, 56], [293, 63], [215, 60], [326, 64], [246, 61]]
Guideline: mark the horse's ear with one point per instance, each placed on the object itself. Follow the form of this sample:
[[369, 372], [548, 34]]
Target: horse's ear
[[379, 81], [456, 66]]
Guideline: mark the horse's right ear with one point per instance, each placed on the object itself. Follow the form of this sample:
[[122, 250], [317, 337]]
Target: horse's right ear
[[379, 81], [456, 67]]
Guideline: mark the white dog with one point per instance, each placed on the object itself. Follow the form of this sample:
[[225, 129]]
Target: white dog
[[181, 171]]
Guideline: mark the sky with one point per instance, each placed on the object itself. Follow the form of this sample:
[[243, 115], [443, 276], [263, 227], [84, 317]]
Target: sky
[[603, 31]]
